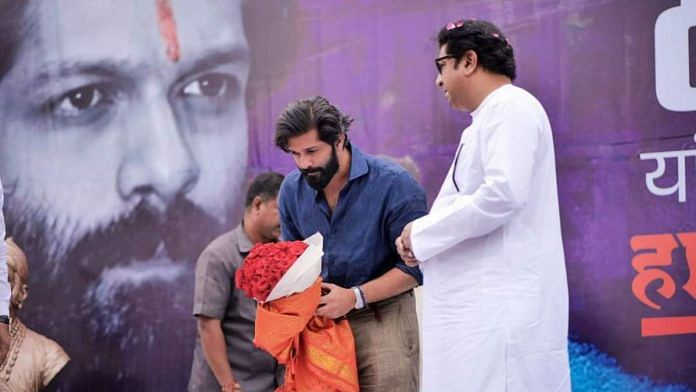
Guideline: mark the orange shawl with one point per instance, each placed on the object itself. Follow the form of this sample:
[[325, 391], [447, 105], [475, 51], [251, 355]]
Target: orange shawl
[[318, 353]]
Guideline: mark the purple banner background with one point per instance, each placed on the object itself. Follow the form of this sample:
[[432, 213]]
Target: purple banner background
[[591, 64]]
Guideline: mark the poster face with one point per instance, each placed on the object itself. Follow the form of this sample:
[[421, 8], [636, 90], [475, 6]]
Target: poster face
[[129, 129], [123, 149]]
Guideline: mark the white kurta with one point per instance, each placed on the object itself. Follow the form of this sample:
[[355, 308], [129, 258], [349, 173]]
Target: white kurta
[[495, 294]]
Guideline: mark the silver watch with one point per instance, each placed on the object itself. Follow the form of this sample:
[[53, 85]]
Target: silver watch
[[359, 304]]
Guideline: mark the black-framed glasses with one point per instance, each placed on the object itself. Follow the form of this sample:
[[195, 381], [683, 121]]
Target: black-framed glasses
[[437, 62]]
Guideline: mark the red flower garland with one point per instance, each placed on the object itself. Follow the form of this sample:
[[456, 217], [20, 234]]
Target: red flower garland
[[265, 265]]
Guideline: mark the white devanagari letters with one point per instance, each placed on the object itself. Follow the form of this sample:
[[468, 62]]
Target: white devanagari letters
[[660, 157]]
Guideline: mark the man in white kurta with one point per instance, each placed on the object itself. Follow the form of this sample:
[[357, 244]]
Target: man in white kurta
[[495, 296]]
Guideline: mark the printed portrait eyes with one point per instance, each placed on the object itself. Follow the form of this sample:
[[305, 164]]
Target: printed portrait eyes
[[92, 99], [212, 85], [79, 100]]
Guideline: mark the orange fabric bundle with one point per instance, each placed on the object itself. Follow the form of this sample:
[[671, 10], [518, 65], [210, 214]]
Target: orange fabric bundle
[[318, 353]]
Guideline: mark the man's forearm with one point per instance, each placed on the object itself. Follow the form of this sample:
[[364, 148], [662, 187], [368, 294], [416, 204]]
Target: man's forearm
[[214, 348], [391, 284]]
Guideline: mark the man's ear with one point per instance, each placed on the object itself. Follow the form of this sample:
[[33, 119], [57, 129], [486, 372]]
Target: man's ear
[[469, 61], [256, 203]]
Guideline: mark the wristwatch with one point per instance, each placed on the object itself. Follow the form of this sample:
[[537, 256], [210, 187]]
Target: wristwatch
[[5, 320], [359, 298]]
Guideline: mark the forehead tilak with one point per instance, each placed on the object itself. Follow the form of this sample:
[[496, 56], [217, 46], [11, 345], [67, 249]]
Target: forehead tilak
[[167, 28]]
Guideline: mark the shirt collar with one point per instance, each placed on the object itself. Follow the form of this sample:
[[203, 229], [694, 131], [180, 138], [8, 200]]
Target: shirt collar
[[358, 164], [243, 242]]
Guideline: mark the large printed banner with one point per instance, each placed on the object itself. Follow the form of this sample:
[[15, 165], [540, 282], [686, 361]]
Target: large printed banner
[[128, 130]]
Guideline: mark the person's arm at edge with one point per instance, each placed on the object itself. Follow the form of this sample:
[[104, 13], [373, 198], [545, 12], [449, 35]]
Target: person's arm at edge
[[5, 290], [214, 290], [215, 349], [401, 278]]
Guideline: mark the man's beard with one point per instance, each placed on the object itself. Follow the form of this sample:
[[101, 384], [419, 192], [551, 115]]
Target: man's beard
[[319, 177], [120, 299]]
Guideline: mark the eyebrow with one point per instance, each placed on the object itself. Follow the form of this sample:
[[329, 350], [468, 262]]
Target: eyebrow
[[104, 68], [305, 150], [125, 69], [215, 57]]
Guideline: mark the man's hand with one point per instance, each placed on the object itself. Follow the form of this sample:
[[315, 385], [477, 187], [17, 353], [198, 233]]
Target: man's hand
[[337, 302], [232, 386], [4, 341], [403, 246]]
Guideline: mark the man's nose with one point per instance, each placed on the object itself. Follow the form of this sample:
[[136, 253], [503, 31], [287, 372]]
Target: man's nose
[[158, 158], [304, 162], [438, 80]]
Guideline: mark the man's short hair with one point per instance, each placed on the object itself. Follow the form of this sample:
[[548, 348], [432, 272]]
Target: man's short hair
[[304, 115], [493, 50], [266, 186]]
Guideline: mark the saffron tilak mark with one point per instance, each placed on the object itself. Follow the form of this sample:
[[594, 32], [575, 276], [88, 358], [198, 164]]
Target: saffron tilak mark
[[167, 27]]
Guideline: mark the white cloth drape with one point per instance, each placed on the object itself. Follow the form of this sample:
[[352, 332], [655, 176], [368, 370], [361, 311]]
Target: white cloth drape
[[5, 290]]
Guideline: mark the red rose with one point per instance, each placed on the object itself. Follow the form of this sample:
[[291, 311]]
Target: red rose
[[265, 265]]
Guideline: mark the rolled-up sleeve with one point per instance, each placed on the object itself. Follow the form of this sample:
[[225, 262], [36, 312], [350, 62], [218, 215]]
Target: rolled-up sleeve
[[408, 203], [213, 286]]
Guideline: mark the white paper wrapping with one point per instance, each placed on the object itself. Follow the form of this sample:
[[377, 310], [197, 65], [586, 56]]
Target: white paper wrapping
[[302, 274]]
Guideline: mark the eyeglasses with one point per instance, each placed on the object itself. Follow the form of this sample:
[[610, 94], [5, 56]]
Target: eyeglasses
[[438, 65]]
